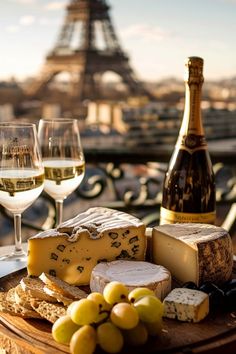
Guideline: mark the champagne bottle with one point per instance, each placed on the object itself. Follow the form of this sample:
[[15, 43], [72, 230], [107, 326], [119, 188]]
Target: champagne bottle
[[189, 184]]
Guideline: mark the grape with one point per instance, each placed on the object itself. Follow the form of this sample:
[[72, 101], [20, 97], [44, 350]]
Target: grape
[[190, 285], [230, 300], [83, 341], [208, 287], [115, 292], [84, 312], [154, 328], [104, 307], [110, 338], [137, 293], [136, 336], [63, 329], [149, 308], [124, 315], [69, 308]]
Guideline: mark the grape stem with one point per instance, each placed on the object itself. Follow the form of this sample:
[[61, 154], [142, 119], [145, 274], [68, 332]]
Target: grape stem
[[95, 325]]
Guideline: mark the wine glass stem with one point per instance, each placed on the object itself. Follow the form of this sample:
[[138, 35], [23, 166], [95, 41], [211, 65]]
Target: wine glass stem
[[59, 211], [17, 226]]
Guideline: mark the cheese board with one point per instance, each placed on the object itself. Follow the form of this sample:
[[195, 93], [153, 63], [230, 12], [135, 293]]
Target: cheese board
[[216, 333]]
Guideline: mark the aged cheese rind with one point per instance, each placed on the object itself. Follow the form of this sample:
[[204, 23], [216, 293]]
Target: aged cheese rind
[[132, 274], [186, 305], [71, 251], [194, 252]]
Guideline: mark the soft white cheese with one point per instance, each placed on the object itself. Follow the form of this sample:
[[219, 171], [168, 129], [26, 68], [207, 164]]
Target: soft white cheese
[[132, 274]]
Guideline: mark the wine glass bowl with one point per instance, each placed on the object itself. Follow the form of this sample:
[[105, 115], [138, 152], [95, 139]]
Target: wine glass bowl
[[21, 174], [63, 159]]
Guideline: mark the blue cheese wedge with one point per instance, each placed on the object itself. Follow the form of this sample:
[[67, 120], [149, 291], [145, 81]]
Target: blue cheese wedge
[[132, 274], [194, 252], [186, 305], [71, 251]]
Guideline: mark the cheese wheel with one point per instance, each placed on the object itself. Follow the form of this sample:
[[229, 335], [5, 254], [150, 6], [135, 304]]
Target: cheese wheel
[[133, 274], [194, 252]]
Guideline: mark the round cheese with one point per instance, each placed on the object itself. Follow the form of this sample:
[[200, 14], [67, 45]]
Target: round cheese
[[133, 274]]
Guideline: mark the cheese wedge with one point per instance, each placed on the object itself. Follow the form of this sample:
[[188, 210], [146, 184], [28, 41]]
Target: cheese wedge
[[186, 305], [133, 275], [194, 252], [71, 251]]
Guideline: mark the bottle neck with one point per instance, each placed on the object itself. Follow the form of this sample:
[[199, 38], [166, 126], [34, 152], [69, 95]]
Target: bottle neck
[[191, 135], [192, 120]]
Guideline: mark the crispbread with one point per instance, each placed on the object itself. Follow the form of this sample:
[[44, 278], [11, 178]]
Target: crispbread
[[10, 295], [60, 298], [3, 296], [59, 286], [22, 298], [49, 311], [34, 288], [17, 310]]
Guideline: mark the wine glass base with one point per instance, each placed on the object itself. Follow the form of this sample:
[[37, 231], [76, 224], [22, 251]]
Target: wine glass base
[[14, 256]]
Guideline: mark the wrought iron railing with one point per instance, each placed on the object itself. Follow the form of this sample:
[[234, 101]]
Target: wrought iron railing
[[131, 180]]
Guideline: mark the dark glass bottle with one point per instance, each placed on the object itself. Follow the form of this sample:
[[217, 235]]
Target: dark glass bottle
[[189, 184]]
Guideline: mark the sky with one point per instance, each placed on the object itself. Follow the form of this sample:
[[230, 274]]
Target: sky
[[156, 34]]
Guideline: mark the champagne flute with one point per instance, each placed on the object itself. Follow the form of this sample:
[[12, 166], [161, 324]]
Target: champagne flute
[[63, 159], [21, 175]]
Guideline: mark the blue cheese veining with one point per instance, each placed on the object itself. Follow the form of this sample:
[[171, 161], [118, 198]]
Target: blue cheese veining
[[73, 249]]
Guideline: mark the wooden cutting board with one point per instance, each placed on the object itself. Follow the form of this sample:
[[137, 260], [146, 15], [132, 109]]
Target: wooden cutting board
[[216, 334]]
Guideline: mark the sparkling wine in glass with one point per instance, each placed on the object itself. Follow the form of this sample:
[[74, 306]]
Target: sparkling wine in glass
[[63, 159], [21, 175]]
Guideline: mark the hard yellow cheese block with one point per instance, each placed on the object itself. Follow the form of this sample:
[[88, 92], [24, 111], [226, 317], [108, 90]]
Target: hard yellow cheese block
[[193, 252], [71, 251]]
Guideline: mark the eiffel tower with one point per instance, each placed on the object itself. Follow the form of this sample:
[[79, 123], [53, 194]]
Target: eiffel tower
[[86, 48]]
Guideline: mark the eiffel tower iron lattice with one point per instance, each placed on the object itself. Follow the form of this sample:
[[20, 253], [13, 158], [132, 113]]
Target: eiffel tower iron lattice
[[87, 47]]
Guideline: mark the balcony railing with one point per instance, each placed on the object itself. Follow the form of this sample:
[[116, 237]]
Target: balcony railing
[[130, 180]]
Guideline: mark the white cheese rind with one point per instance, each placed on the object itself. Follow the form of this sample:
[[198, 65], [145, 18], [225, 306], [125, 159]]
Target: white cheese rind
[[133, 275], [194, 252], [186, 305], [71, 251]]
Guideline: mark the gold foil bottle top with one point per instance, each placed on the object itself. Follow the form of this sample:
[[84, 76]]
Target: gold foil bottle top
[[194, 71]]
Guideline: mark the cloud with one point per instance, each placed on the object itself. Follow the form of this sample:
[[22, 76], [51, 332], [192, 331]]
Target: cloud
[[56, 5], [45, 21], [27, 20], [145, 32], [12, 29]]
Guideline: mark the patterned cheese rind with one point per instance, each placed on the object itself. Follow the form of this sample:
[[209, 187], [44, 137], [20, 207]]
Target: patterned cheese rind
[[210, 248]]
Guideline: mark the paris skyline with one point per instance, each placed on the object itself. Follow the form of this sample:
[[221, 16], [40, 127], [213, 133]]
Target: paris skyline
[[157, 35]]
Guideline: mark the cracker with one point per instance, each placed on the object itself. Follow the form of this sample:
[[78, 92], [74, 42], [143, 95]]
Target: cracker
[[60, 298], [22, 298], [59, 286], [18, 310], [34, 288], [10, 295], [48, 310]]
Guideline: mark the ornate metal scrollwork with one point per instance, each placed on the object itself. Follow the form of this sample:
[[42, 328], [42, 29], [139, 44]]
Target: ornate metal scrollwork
[[132, 187]]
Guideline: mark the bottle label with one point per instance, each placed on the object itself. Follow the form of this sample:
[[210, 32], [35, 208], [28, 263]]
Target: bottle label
[[192, 143], [172, 217]]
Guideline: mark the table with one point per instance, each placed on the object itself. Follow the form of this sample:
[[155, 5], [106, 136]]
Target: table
[[12, 342]]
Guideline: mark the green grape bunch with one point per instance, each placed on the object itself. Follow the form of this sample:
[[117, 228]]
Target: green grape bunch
[[110, 320]]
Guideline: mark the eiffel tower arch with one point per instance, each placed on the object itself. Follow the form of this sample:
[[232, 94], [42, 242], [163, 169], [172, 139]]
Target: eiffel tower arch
[[87, 47]]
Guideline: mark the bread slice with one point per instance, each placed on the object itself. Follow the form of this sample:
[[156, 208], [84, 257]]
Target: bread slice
[[15, 309], [10, 296], [22, 298], [48, 310], [61, 287], [34, 288], [60, 298]]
